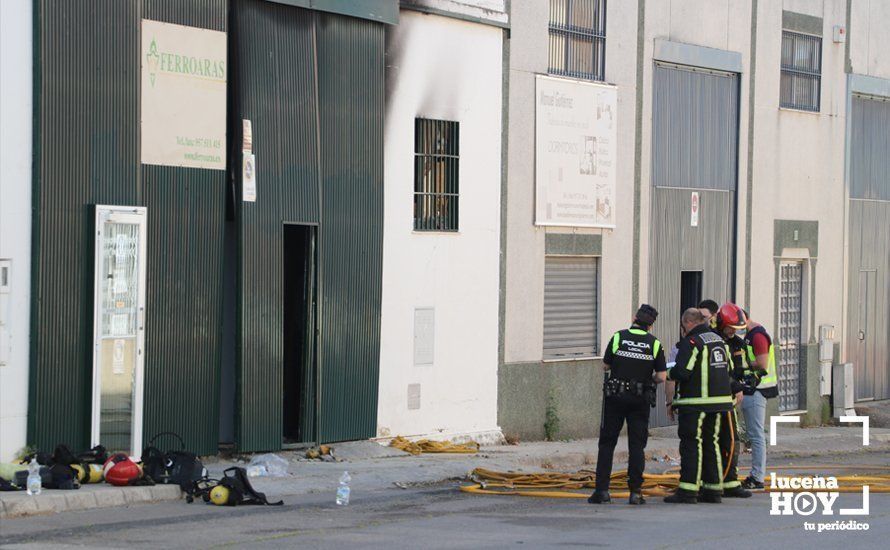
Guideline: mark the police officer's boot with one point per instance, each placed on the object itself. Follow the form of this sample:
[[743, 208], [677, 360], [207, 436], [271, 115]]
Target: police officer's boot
[[682, 497], [736, 492], [599, 497], [636, 497], [709, 496]]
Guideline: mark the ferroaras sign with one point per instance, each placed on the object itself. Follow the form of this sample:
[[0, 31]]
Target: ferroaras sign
[[183, 111]]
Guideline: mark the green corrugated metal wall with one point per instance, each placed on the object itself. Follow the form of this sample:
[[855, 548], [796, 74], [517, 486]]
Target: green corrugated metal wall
[[87, 152], [83, 156], [186, 209], [274, 68], [350, 86], [272, 64]]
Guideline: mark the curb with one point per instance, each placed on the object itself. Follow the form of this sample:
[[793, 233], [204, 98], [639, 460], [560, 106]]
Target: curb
[[19, 504]]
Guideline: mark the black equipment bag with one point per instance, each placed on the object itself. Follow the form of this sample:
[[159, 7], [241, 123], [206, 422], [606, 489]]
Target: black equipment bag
[[173, 467], [46, 477], [241, 491], [7, 486], [96, 455]]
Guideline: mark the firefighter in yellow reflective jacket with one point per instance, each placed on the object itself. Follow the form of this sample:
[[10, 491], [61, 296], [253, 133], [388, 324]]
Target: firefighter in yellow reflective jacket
[[703, 391]]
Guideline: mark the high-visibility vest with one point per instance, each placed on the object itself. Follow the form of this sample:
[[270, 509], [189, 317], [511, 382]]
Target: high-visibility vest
[[634, 352], [769, 380]]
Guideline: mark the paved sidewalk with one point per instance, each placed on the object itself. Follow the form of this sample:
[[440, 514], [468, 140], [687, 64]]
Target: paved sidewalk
[[374, 467]]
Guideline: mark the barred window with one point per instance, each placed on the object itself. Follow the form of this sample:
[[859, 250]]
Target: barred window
[[436, 156], [801, 71], [578, 38]]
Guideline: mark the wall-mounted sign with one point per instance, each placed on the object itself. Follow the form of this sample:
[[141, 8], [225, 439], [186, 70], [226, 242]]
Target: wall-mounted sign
[[575, 147], [183, 117], [246, 135], [694, 209], [248, 177]]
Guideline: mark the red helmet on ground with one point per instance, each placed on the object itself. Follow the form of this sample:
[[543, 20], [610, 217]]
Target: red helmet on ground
[[120, 470], [731, 315]]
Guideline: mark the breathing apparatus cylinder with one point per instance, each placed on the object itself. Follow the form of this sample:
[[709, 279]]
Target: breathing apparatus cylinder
[[219, 495]]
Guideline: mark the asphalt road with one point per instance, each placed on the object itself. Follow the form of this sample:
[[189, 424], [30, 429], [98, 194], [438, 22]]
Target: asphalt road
[[442, 517]]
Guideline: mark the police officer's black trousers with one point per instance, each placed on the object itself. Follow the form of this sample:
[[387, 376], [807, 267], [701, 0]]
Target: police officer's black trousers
[[700, 461], [616, 409], [729, 448]]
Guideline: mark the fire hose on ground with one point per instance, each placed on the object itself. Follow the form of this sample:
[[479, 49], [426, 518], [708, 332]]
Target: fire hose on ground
[[571, 485]]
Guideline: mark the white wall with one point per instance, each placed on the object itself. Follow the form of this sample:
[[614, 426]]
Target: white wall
[[15, 215], [799, 165], [524, 312], [869, 39], [720, 24], [447, 69], [524, 318]]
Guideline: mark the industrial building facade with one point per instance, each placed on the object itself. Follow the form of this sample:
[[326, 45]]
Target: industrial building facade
[[751, 166], [425, 217], [225, 289]]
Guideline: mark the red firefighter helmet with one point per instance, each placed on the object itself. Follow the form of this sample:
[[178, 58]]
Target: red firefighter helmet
[[731, 315], [120, 470]]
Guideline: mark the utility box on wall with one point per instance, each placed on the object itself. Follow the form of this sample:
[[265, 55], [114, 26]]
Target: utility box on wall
[[843, 390], [826, 355], [5, 274]]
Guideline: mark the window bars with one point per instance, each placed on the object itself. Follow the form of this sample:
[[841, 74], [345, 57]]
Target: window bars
[[578, 38], [436, 157], [801, 71]]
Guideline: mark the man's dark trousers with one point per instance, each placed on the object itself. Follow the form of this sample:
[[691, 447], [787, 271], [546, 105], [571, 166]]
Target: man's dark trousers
[[617, 409]]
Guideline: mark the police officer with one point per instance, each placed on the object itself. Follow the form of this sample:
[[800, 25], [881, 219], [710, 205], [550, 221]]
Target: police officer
[[634, 361], [703, 391]]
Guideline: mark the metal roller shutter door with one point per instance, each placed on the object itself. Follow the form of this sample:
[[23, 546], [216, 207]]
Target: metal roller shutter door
[[570, 307]]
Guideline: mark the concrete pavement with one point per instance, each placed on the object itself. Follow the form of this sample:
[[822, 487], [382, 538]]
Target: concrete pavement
[[440, 516], [375, 468]]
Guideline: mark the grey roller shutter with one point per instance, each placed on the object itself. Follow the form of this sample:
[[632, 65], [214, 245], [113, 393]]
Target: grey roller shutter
[[870, 149], [570, 307], [695, 128]]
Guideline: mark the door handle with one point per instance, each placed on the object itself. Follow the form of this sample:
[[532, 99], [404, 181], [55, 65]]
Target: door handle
[[140, 318], [861, 335]]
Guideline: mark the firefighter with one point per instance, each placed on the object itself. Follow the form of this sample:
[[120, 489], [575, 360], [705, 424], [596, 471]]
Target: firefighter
[[634, 362], [703, 392], [729, 439]]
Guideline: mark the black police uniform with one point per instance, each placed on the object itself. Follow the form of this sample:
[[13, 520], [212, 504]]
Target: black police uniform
[[702, 393], [632, 355]]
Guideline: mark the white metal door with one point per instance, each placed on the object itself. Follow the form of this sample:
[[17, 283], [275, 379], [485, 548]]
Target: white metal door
[[119, 328], [790, 323]]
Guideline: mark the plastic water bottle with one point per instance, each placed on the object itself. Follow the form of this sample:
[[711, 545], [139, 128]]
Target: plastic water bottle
[[34, 484], [343, 490]]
